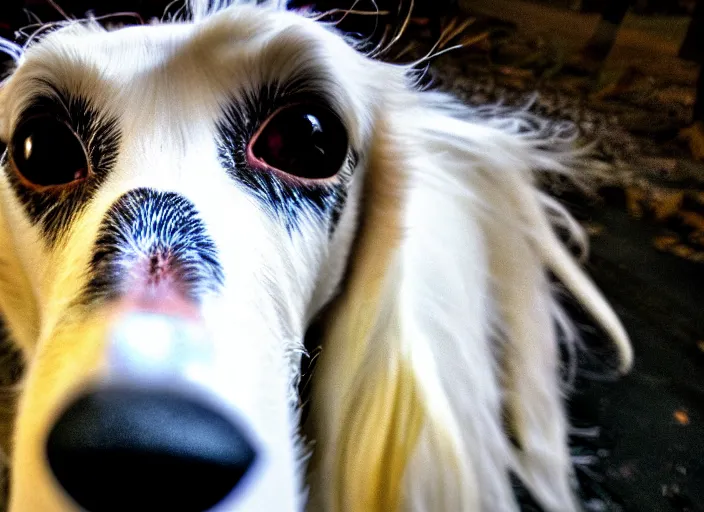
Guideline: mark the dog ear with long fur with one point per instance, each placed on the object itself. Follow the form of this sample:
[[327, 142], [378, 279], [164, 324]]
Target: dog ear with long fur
[[440, 370]]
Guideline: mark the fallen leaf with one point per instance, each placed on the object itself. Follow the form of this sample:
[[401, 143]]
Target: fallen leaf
[[664, 242], [681, 417], [695, 136], [693, 220], [683, 251], [474, 39], [673, 94], [666, 202]]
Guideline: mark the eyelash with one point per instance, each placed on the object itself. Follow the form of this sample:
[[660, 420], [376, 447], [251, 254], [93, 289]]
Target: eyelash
[[78, 113], [53, 207], [284, 198]]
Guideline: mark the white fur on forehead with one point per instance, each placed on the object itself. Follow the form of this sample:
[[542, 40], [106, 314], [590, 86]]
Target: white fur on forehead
[[197, 10], [200, 9]]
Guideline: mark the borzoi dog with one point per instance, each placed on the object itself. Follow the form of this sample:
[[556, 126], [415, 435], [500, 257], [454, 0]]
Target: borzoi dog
[[180, 202]]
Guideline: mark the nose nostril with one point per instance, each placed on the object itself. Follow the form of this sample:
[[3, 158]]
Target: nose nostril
[[130, 449]]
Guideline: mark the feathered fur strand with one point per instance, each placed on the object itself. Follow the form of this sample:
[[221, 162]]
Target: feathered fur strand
[[441, 361]]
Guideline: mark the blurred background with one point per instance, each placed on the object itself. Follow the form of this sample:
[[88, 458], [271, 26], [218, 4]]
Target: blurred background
[[627, 74]]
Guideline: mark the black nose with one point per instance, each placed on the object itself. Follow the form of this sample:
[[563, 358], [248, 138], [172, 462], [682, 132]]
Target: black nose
[[129, 449]]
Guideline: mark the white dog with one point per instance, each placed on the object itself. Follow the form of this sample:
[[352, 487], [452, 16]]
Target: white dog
[[179, 202]]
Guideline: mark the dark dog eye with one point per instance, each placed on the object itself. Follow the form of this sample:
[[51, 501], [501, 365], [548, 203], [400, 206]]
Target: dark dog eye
[[47, 152], [302, 140]]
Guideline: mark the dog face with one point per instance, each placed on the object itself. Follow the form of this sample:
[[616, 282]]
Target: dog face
[[211, 167], [179, 202]]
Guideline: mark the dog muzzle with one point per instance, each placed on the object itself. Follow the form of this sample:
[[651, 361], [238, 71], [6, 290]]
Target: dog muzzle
[[152, 435]]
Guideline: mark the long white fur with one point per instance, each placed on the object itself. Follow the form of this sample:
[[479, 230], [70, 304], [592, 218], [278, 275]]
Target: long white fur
[[440, 370]]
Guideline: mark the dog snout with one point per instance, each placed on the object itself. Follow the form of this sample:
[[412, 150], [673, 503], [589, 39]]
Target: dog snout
[[152, 239], [152, 435], [117, 449]]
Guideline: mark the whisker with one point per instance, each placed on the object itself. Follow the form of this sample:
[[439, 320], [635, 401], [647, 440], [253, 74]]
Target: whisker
[[40, 29], [401, 31], [334, 11], [32, 16], [375, 51], [470, 40], [125, 14], [350, 11], [178, 11], [365, 13], [408, 48], [450, 34], [447, 35], [58, 9]]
